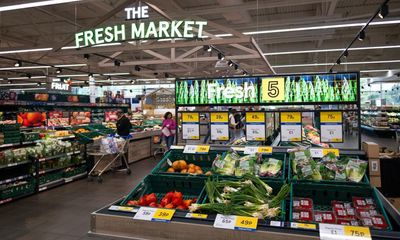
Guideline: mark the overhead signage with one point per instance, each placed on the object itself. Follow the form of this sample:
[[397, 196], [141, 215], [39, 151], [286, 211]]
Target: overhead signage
[[255, 126], [60, 84], [219, 126], [331, 127], [190, 126], [139, 31], [291, 130], [217, 91]]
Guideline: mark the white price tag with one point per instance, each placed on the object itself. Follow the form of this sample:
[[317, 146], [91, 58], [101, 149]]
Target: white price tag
[[177, 147], [154, 214], [291, 133], [255, 132], [250, 150], [219, 132], [331, 133], [276, 223], [225, 221], [145, 213], [316, 152], [190, 149], [190, 131], [335, 232]]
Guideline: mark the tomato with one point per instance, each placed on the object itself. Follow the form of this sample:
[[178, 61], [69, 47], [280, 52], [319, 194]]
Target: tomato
[[178, 195], [132, 203], [169, 205], [151, 198], [153, 204], [142, 201], [164, 201], [181, 207]]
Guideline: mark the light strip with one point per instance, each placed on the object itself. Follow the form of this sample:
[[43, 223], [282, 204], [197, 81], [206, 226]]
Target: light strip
[[107, 44], [377, 70], [22, 78], [18, 84], [360, 24], [371, 62], [72, 65], [117, 80], [27, 67], [77, 75], [327, 64], [35, 4], [26, 89], [26, 50], [116, 74]]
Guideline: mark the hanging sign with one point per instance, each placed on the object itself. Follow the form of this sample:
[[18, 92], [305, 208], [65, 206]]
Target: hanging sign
[[331, 127], [59, 85], [141, 30], [190, 126], [219, 126], [334, 232], [290, 126], [255, 126]]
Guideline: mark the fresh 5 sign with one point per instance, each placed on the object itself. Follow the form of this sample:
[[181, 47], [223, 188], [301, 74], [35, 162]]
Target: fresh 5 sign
[[142, 30]]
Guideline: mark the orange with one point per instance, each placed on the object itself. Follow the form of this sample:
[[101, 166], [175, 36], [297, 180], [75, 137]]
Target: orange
[[171, 169], [182, 164], [176, 166], [199, 171], [184, 171], [192, 170], [191, 165], [197, 168]]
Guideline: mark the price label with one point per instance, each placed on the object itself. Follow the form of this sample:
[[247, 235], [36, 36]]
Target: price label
[[273, 89], [291, 132], [332, 132], [236, 222], [331, 150], [320, 152], [246, 223], [331, 117], [255, 132], [290, 117], [123, 208], [191, 131], [275, 223], [154, 214], [177, 147], [334, 232], [219, 117], [254, 149], [196, 215], [190, 117], [255, 117], [219, 132], [303, 225], [196, 149]]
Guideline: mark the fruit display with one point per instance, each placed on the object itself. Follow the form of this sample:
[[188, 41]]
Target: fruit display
[[77, 118], [81, 130], [247, 197], [329, 167], [111, 116], [361, 211], [171, 200], [31, 119], [8, 118], [58, 118], [312, 135], [180, 166], [217, 91]]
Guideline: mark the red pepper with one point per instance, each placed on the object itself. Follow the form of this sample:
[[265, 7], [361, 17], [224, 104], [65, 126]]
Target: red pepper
[[187, 203], [169, 196], [142, 201], [164, 201], [153, 204], [170, 205], [181, 207], [151, 198], [132, 203], [177, 201], [178, 195]]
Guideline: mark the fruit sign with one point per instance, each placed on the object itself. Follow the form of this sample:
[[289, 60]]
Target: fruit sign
[[31, 119]]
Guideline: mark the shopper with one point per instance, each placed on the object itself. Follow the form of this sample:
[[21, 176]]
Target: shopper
[[168, 129], [124, 125]]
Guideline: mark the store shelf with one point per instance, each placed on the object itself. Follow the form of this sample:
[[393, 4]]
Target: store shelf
[[76, 177], [32, 142], [59, 168], [14, 164], [15, 198], [61, 181], [10, 180], [58, 156]]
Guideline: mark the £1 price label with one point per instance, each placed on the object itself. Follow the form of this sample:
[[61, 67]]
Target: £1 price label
[[246, 223]]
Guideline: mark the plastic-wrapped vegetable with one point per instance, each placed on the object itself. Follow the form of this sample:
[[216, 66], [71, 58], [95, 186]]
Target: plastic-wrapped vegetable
[[355, 169], [246, 164], [270, 167], [226, 165], [9, 156]]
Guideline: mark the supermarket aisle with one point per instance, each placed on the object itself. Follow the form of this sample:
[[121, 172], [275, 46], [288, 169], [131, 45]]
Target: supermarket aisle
[[63, 213]]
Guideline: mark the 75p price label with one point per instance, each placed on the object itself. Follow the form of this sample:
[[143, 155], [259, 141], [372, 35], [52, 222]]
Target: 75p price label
[[334, 232], [236, 222]]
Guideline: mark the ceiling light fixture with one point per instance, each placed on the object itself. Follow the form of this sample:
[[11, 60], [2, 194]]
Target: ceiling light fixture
[[59, 70], [361, 35], [384, 11], [86, 56], [34, 4], [230, 63], [71, 65], [18, 64], [221, 56], [25, 50], [137, 68], [117, 63], [108, 78]]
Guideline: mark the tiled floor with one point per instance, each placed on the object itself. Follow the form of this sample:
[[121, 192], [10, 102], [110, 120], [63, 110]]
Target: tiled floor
[[63, 213]]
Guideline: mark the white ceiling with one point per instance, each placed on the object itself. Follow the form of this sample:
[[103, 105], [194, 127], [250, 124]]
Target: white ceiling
[[54, 27]]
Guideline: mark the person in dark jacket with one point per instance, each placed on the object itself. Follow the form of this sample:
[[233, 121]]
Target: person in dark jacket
[[124, 125]]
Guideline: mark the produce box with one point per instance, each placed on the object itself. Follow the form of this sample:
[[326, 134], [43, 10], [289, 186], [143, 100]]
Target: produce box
[[11, 133], [204, 161], [343, 170], [17, 189], [74, 172], [274, 184], [350, 205], [9, 140], [87, 137], [30, 137], [101, 128], [50, 177], [9, 127], [160, 185]]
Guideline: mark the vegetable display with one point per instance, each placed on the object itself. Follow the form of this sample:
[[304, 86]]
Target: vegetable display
[[173, 199], [180, 166], [359, 212], [248, 197], [330, 168]]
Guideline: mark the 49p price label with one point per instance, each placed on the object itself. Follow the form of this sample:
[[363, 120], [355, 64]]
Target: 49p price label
[[235, 222]]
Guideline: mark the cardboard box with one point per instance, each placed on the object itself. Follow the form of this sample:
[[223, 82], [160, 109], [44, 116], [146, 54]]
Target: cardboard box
[[374, 166], [375, 181], [371, 149]]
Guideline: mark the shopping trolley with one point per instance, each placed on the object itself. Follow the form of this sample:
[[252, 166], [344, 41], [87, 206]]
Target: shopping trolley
[[114, 147], [159, 146]]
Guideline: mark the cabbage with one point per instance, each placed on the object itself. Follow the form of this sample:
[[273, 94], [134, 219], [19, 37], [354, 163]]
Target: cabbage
[[270, 167]]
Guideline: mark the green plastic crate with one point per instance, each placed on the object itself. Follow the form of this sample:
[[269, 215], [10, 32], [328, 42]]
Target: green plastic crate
[[202, 160], [9, 127], [50, 177], [190, 187], [275, 184], [364, 180], [323, 194], [15, 191], [87, 137], [76, 171]]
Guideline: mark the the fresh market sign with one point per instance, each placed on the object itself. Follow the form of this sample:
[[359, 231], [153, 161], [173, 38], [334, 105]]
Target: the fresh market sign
[[140, 31]]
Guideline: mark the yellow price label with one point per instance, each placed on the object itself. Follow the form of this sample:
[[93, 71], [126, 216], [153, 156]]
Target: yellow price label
[[223, 138], [331, 117], [357, 232], [259, 139], [255, 117], [303, 225], [290, 117], [196, 215], [330, 150], [190, 117], [195, 137], [164, 214], [295, 139], [246, 222], [336, 140], [202, 149], [219, 117], [122, 208], [273, 89], [264, 150]]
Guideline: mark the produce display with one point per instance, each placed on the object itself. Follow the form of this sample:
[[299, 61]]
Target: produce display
[[10, 134], [58, 118], [173, 199], [16, 188], [330, 167], [77, 118], [247, 197], [312, 135], [180, 166], [32, 119], [217, 91], [8, 118], [360, 211]]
